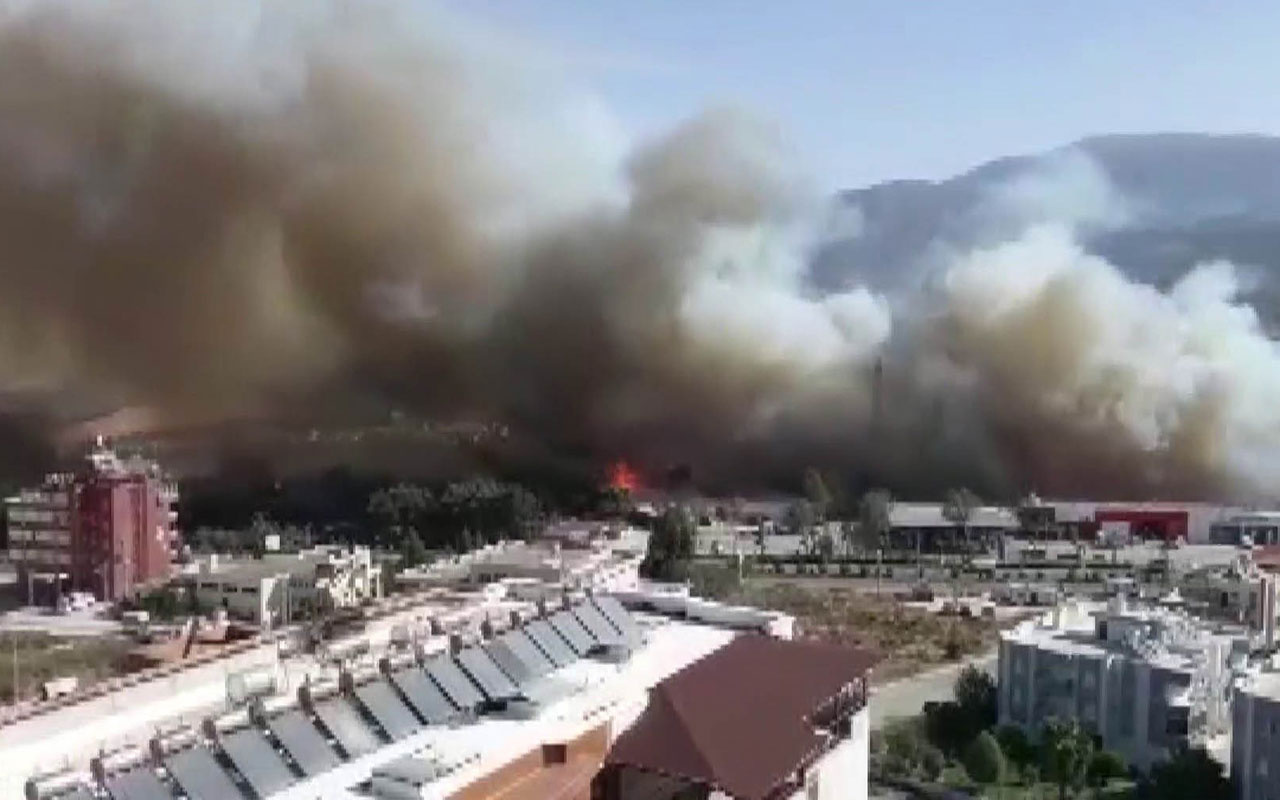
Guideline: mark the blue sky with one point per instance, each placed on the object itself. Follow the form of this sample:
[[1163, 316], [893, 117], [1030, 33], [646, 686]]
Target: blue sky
[[924, 88]]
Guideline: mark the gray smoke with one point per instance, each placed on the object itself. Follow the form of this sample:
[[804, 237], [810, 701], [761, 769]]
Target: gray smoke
[[264, 209]]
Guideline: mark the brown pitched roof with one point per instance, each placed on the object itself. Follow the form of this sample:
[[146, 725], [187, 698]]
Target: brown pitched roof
[[738, 720], [1267, 556]]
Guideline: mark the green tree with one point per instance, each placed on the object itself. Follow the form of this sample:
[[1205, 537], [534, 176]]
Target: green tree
[[1016, 746], [412, 551], [400, 508], [671, 545], [1104, 766], [948, 726], [958, 508], [983, 759], [1065, 750], [975, 693], [523, 512], [932, 762], [875, 518], [800, 518], [905, 745], [1191, 774], [826, 546]]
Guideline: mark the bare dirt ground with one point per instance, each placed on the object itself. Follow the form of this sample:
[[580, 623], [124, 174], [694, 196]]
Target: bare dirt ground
[[910, 639]]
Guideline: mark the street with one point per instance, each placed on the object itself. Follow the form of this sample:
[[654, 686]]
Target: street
[[906, 697]]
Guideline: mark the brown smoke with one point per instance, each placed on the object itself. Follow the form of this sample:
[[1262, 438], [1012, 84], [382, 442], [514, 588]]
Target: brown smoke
[[278, 209]]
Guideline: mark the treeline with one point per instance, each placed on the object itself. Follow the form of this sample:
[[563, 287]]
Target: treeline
[[345, 507]]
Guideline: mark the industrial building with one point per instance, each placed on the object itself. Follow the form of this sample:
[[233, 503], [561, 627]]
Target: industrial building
[[1196, 523], [573, 700], [1146, 680], [106, 528]]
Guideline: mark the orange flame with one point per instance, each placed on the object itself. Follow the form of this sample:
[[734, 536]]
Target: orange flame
[[622, 477]]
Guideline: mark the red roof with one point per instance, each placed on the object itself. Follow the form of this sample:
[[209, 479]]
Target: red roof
[[1266, 556], [739, 719]]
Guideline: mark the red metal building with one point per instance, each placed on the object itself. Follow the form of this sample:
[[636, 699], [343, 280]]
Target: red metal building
[[1169, 524]]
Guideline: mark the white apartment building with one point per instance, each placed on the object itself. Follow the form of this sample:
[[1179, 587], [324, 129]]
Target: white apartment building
[[283, 587], [1255, 737], [1145, 680]]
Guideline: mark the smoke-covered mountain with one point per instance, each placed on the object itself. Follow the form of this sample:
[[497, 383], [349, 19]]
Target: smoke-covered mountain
[[298, 209], [1176, 200]]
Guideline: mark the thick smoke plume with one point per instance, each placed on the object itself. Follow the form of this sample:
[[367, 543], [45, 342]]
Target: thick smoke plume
[[275, 209]]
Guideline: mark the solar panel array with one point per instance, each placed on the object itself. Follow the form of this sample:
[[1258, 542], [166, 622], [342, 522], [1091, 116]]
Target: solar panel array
[[550, 643], [257, 760], [200, 776], [513, 665], [456, 685], [601, 629], [524, 649], [347, 728], [509, 662], [425, 697], [568, 626], [492, 681], [305, 745], [137, 784], [382, 702], [615, 613]]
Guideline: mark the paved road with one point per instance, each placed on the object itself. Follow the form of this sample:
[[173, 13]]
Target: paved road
[[906, 697]]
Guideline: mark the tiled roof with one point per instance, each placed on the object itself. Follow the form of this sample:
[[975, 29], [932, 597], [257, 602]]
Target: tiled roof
[[740, 719]]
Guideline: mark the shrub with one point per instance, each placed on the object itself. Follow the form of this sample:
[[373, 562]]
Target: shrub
[[983, 759], [932, 762], [1017, 748], [1105, 766]]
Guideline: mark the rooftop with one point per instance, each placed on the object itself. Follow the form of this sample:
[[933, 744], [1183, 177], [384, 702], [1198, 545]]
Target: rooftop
[[704, 723], [1168, 637]]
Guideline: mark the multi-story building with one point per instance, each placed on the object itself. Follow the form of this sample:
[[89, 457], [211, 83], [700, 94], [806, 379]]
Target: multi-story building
[[591, 696], [1145, 680], [279, 587], [1255, 737], [106, 528]]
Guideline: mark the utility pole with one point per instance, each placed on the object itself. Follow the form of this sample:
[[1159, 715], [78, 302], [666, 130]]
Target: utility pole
[[16, 695]]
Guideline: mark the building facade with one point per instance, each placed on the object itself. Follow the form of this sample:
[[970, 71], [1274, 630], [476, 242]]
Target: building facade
[[1255, 738], [107, 528], [283, 587], [1145, 681]]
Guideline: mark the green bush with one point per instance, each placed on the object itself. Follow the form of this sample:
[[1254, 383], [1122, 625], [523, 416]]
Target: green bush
[[932, 763], [1017, 748], [983, 759], [1105, 766]]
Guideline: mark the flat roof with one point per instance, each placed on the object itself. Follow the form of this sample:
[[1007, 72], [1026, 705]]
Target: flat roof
[[599, 690]]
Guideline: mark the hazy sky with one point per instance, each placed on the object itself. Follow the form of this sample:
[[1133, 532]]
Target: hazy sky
[[872, 91]]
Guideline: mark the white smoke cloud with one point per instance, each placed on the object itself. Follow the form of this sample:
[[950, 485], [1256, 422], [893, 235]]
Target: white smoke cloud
[[1190, 367]]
